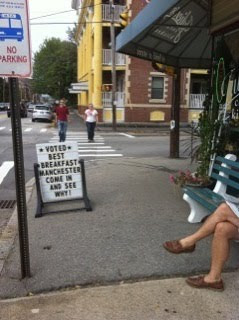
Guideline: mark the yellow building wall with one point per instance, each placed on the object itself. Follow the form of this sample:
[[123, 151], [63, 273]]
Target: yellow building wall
[[108, 115], [193, 115], [157, 116], [89, 64], [97, 60]]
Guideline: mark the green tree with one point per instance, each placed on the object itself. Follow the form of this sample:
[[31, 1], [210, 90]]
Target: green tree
[[72, 34], [55, 66]]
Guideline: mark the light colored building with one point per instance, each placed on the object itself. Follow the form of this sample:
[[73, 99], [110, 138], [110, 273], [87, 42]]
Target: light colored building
[[197, 89], [94, 58], [142, 93]]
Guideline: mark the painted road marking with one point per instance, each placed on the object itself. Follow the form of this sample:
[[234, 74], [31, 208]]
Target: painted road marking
[[43, 130], [127, 135], [91, 150], [90, 143], [5, 167], [100, 147], [103, 155], [1, 128], [77, 139], [28, 130]]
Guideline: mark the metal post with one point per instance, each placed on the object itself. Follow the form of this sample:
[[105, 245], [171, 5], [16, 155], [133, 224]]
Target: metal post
[[175, 115], [113, 71], [19, 177], [3, 90]]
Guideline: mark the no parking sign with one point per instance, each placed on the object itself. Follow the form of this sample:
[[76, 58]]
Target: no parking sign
[[15, 49]]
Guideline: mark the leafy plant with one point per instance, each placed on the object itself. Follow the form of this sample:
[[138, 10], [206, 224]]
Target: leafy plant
[[188, 177]]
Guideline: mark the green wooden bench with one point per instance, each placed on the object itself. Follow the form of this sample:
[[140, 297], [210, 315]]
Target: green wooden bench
[[203, 201]]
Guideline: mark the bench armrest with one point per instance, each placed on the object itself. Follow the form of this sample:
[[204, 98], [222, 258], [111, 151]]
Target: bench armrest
[[220, 187]]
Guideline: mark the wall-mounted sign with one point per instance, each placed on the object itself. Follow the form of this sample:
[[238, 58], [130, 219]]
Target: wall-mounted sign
[[59, 171], [15, 52]]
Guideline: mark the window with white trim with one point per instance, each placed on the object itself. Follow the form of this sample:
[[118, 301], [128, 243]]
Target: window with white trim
[[157, 88]]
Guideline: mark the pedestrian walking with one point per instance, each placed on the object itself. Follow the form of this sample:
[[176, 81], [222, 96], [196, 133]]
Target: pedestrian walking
[[62, 113], [91, 118]]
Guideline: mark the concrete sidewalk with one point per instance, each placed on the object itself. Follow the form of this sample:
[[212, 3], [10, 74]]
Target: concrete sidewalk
[[135, 210], [165, 299]]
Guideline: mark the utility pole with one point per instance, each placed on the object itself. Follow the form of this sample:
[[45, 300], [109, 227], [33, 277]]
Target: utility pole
[[113, 71], [3, 89], [175, 115], [19, 177]]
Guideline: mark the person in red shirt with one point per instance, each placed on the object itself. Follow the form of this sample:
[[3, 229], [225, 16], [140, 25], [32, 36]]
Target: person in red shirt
[[62, 113]]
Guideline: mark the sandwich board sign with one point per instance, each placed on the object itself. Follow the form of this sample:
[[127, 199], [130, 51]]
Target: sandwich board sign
[[15, 48], [59, 174]]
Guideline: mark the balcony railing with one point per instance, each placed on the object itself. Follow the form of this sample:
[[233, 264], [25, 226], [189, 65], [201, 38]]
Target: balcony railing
[[107, 59], [196, 101], [106, 14], [119, 98]]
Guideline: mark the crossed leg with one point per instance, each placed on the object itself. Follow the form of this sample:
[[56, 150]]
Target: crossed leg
[[223, 224]]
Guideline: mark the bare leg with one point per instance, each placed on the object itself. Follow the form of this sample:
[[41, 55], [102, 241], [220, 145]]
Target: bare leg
[[222, 214], [224, 232]]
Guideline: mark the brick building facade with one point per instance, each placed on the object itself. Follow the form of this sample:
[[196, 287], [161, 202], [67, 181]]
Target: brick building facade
[[148, 92]]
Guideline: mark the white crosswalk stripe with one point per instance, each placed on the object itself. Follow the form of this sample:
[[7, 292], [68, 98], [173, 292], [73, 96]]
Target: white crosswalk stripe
[[127, 135], [26, 130], [5, 168], [78, 139], [96, 149]]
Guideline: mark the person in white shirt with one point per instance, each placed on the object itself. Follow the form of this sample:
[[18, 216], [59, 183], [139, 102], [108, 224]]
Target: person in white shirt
[[91, 118]]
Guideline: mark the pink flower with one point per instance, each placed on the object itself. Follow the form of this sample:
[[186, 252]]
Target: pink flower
[[171, 178], [188, 173]]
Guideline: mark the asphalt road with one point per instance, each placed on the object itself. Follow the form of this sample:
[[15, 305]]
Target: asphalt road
[[108, 145]]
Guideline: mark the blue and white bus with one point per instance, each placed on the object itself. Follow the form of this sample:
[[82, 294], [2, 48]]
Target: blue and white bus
[[11, 26]]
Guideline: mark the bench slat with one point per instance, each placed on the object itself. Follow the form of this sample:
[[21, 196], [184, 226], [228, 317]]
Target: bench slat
[[212, 194], [225, 180], [206, 197], [228, 162], [226, 170]]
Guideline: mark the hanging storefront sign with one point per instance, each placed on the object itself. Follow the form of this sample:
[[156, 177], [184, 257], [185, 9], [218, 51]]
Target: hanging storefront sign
[[59, 174]]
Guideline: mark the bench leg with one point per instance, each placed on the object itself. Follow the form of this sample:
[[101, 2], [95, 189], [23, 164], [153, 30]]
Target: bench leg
[[198, 212]]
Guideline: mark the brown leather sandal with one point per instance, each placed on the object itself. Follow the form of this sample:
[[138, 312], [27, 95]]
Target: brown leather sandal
[[175, 246], [199, 282]]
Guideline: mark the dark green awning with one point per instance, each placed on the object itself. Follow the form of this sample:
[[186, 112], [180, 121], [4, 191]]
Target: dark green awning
[[172, 32]]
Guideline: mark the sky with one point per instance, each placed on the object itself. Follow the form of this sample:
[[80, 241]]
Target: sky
[[39, 8]]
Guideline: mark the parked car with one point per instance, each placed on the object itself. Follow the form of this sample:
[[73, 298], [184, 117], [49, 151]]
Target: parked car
[[30, 107], [42, 112], [23, 110], [4, 106]]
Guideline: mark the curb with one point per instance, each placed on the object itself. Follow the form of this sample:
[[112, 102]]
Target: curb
[[10, 231]]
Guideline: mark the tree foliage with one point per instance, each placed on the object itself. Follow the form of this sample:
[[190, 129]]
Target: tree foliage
[[55, 66], [72, 34]]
